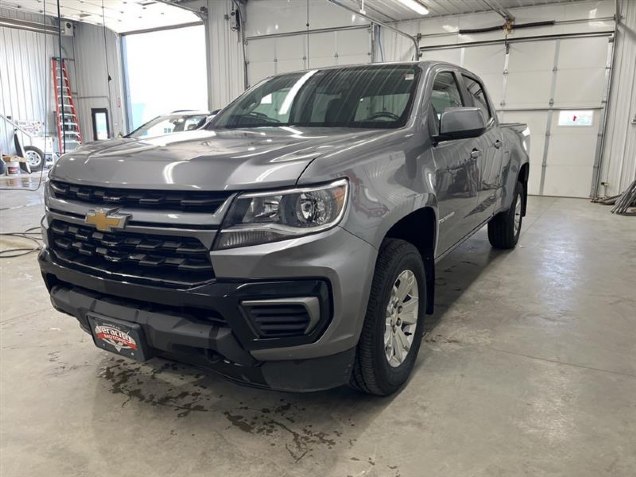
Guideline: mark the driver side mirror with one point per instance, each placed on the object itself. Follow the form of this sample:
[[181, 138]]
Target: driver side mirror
[[460, 123]]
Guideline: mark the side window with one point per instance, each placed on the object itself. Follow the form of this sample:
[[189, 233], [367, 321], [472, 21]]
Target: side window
[[479, 97], [445, 93]]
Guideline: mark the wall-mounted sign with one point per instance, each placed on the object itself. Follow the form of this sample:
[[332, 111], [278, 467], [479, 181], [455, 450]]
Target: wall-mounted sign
[[576, 118]]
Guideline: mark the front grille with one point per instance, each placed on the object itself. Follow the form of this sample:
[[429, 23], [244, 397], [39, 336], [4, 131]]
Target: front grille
[[183, 201], [279, 320], [175, 261]]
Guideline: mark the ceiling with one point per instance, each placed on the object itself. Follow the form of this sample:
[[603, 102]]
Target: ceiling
[[133, 15], [393, 10], [118, 15]]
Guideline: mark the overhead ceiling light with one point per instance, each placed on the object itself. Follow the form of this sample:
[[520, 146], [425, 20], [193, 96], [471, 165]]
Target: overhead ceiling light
[[415, 6]]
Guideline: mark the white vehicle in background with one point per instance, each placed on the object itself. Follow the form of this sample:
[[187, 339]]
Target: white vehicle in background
[[38, 151], [37, 148], [176, 121]]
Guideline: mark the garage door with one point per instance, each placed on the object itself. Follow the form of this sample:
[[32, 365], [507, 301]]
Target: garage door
[[558, 88], [273, 55]]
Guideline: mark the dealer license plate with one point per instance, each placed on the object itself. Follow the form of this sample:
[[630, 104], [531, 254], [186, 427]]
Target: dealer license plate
[[119, 337]]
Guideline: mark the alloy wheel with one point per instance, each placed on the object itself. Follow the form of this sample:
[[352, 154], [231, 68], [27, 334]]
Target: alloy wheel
[[401, 318]]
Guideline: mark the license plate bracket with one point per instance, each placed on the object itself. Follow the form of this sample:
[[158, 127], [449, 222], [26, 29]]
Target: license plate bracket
[[119, 337]]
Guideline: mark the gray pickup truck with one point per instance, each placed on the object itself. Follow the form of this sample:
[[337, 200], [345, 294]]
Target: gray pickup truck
[[291, 244]]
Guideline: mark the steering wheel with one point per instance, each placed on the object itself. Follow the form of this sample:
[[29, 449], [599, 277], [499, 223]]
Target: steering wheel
[[384, 114]]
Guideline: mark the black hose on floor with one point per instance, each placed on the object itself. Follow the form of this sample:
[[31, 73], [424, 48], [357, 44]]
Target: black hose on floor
[[32, 234]]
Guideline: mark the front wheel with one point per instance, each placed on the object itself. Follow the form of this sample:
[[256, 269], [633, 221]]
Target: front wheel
[[505, 227], [394, 322]]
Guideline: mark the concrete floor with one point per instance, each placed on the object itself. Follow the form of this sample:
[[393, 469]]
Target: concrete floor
[[529, 369]]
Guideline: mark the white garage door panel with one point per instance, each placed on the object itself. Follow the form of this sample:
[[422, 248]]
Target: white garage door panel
[[353, 60], [293, 53], [572, 145], [261, 50], [323, 62], [570, 159], [536, 121], [494, 87], [568, 181], [287, 66], [530, 74], [450, 56], [290, 16], [579, 87], [322, 45], [288, 48], [259, 70], [526, 57], [351, 43], [583, 53], [529, 89], [483, 60]]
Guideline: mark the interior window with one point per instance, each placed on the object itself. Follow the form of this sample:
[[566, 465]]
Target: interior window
[[479, 97], [445, 93]]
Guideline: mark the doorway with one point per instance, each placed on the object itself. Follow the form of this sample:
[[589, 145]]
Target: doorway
[[99, 120]]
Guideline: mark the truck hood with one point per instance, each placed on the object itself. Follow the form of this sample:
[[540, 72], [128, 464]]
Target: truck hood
[[236, 159]]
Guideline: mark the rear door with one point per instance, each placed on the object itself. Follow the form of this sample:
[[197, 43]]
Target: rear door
[[456, 173], [489, 145]]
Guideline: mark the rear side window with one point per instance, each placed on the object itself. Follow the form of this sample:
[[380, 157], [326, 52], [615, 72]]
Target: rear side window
[[445, 93], [476, 90]]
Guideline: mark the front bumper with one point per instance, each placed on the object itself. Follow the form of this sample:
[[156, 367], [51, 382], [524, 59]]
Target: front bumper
[[207, 325]]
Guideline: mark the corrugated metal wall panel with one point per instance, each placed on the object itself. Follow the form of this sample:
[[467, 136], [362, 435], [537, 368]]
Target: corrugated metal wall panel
[[25, 91], [619, 155], [96, 58], [225, 55]]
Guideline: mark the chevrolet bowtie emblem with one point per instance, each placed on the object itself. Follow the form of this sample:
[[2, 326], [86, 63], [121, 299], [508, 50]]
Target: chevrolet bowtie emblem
[[106, 220]]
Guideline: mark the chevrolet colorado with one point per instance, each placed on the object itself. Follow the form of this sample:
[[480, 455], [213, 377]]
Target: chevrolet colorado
[[291, 244]]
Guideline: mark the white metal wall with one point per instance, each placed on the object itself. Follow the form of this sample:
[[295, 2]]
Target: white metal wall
[[25, 59], [619, 155], [278, 42]]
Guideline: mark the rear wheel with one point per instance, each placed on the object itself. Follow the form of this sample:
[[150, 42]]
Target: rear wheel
[[35, 158], [505, 227], [394, 322]]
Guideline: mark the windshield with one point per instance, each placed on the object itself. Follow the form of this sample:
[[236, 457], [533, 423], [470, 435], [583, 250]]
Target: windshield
[[169, 124], [377, 96]]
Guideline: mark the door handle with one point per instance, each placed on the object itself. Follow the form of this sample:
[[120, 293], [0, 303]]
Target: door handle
[[475, 153], [498, 144]]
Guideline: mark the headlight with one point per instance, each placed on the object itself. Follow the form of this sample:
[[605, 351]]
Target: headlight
[[257, 218]]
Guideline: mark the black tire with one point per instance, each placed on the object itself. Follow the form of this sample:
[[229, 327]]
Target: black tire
[[501, 228], [34, 152], [372, 373]]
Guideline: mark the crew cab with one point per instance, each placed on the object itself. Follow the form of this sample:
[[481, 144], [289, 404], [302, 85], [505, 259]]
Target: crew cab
[[291, 243]]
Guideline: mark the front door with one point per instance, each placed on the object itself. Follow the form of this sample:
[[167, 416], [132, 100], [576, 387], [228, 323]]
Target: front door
[[457, 174], [490, 160]]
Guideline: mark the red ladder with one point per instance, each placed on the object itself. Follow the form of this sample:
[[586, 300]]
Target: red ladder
[[68, 134]]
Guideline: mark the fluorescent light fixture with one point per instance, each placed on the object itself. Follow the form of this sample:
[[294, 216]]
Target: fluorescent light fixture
[[415, 6]]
